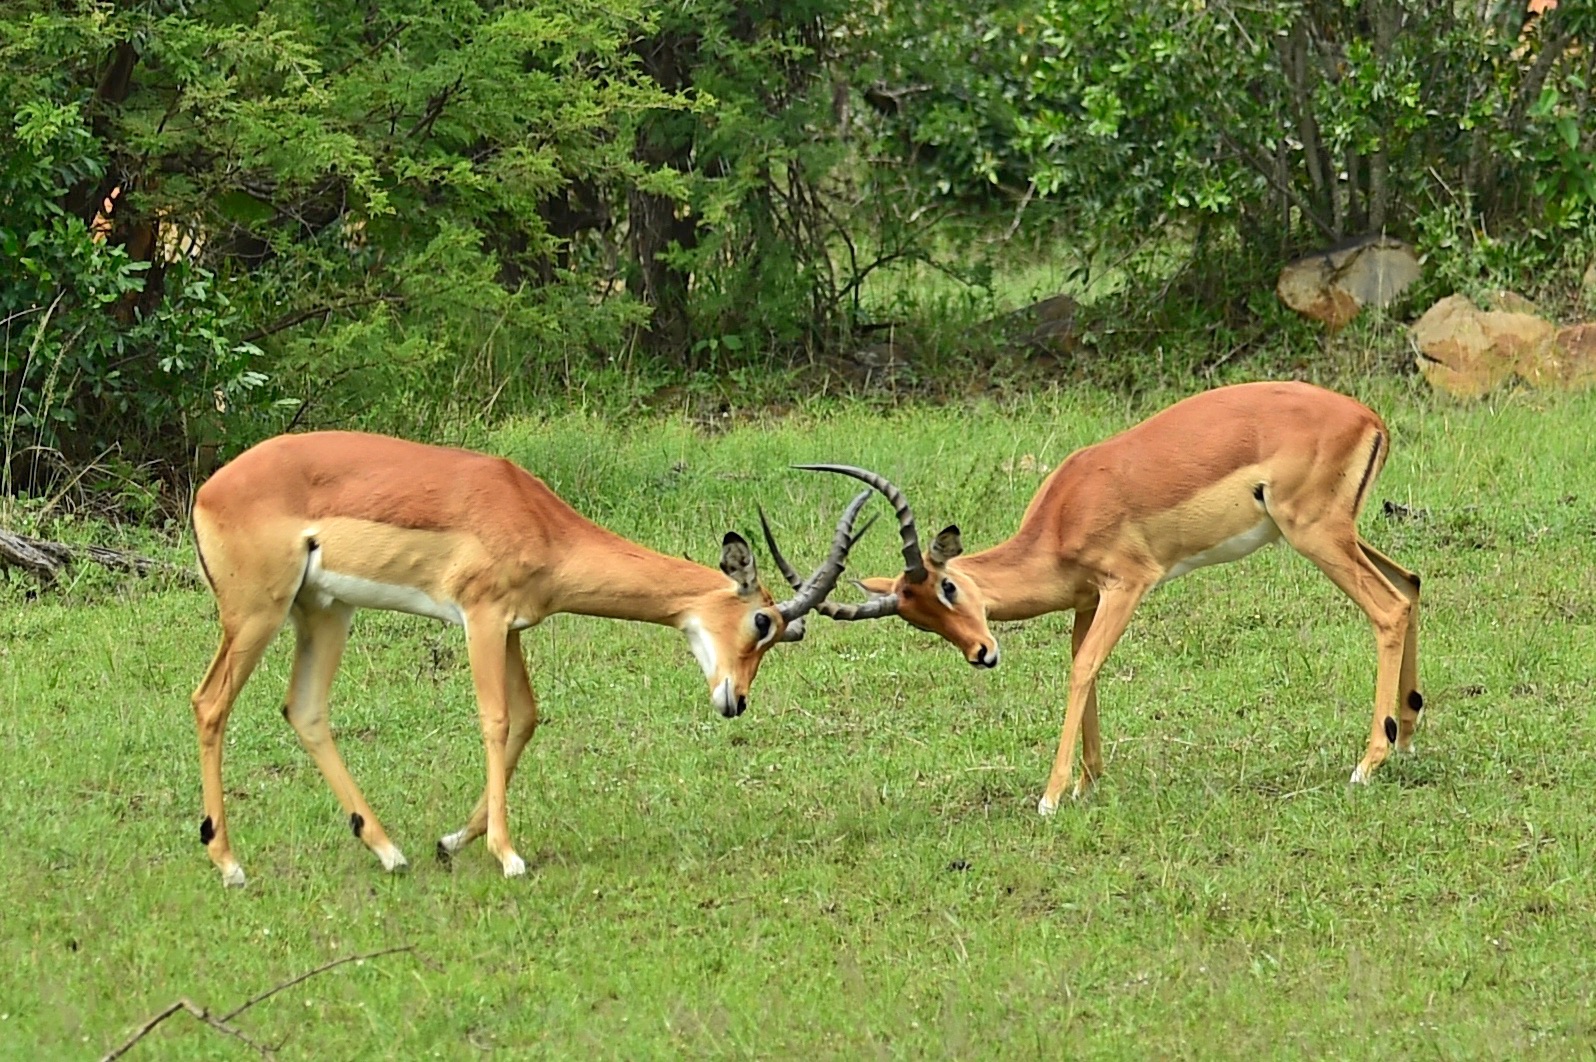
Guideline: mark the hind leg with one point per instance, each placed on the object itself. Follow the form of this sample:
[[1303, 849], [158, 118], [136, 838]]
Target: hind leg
[[522, 704], [1332, 544], [322, 635], [1409, 700]]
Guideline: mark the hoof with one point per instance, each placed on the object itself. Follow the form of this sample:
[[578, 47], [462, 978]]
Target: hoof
[[233, 877], [450, 844], [1046, 807], [393, 860], [514, 866], [1360, 776]]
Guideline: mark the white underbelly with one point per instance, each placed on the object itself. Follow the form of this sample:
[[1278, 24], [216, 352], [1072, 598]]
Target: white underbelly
[[323, 587], [1233, 548]]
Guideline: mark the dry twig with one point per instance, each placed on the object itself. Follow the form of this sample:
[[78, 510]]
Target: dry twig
[[223, 1023]]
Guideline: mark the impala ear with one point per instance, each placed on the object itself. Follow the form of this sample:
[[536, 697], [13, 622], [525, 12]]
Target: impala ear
[[876, 587], [737, 561], [946, 546]]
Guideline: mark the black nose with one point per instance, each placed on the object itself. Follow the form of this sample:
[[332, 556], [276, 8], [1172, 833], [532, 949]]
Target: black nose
[[742, 704], [982, 660]]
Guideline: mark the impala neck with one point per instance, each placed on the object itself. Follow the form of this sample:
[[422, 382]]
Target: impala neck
[[1018, 579], [619, 579]]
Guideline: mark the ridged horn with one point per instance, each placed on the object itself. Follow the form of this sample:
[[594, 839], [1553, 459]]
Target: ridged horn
[[813, 591], [913, 562], [875, 608], [788, 572]]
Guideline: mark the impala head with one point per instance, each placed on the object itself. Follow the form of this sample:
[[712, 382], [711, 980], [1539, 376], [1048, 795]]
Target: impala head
[[930, 593], [730, 630]]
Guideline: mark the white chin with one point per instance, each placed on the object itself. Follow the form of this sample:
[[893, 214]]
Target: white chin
[[722, 697]]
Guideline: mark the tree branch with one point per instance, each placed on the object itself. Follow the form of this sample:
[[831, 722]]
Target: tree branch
[[435, 107], [301, 316], [1265, 168]]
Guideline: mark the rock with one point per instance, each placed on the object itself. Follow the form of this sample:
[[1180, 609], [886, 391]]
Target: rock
[[1577, 344], [1509, 302], [1454, 355], [1042, 328], [1469, 352], [1333, 285]]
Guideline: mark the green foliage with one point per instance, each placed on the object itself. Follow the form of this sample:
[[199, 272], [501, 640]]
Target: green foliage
[[399, 216], [84, 373], [1198, 146], [1338, 117], [363, 207]]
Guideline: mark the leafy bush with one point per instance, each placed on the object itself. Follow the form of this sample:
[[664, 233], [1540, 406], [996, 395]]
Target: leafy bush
[[89, 366]]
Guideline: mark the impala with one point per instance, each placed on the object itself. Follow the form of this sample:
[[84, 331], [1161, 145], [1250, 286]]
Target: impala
[[1208, 480], [307, 528]]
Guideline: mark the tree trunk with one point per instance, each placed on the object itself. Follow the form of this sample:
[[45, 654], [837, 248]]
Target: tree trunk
[[657, 224], [84, 198]]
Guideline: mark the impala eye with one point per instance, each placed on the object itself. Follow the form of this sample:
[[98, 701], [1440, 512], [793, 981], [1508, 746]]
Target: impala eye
[[949, 591], [762, 625]]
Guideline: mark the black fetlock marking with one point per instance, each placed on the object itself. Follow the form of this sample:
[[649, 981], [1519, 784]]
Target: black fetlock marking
[[1390, 728], [207, 831], [356, 823], [1415, 701]]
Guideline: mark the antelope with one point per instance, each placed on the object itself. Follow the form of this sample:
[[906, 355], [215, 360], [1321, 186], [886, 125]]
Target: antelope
[[307, 528], [1208, 480]]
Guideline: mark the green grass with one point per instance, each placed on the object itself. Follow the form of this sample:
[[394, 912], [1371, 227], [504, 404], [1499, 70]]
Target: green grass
[[855, 867]]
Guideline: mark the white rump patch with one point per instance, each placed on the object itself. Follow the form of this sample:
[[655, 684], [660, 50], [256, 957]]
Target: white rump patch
[[322, 587], [1236, 547]]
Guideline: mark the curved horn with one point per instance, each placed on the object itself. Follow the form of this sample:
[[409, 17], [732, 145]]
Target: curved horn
[[788, 572], [913, 562], [817, 586], [875, 608]]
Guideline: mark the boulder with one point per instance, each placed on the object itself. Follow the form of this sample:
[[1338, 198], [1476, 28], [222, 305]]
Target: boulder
[[1577, 345], [1043, 328], [1469, 352], [1333, 285], [1509, 302]]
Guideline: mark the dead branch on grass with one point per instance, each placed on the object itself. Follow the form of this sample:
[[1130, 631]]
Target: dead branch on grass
[[223, 1023], [47, 559]]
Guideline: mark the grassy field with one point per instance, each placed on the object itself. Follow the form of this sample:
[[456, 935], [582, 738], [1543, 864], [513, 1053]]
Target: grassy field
[[855, 867]]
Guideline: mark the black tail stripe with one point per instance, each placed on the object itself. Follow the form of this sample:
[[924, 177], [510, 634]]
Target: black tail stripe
[[1368, 473], [205, 569]]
